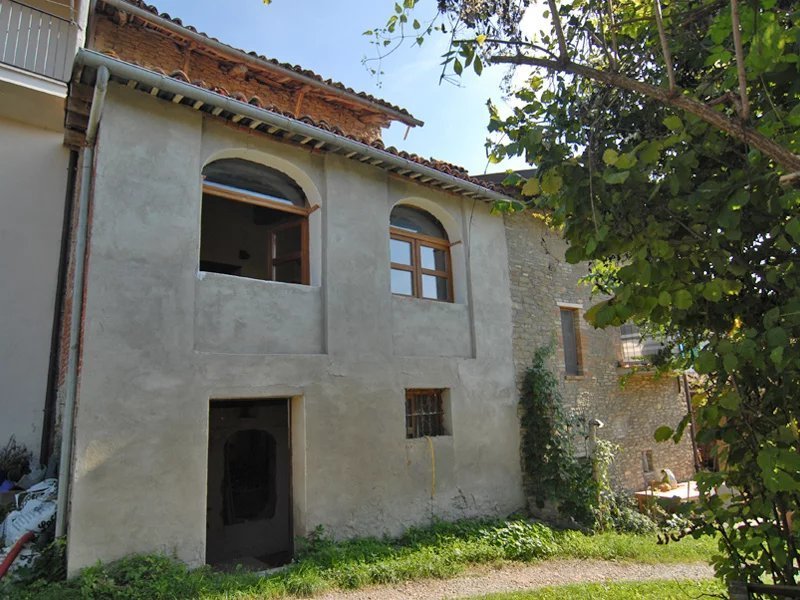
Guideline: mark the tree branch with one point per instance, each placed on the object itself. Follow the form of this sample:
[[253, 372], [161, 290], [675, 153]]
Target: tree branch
[[782, 156], [562, 42], [613, 28], [662, 35], [737, 43]]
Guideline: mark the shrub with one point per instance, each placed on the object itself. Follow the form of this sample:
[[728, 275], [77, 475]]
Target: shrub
[[522, 540]]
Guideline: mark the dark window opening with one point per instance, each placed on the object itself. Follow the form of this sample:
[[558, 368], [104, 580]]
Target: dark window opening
[[424, 413], [570, 333], [254, 223], [648, 466], [420, 255], [249, 485]]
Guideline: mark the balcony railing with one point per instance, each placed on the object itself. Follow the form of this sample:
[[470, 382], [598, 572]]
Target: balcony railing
[[636, 349], [35, 40]]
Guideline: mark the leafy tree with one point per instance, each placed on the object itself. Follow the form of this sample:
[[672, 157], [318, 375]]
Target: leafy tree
[[665, 135]]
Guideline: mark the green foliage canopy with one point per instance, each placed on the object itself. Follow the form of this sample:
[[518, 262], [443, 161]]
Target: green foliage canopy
[[665, 135]]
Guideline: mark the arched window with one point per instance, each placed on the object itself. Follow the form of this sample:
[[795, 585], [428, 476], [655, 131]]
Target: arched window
[[420, 255], [254, 222]]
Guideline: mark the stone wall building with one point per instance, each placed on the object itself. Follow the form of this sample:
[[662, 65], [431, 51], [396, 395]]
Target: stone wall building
[[631, 407]]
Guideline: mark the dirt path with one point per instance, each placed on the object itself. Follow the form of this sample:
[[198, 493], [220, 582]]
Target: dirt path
[[513, 578]]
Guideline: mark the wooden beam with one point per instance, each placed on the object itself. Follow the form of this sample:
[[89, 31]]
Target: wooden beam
[[243, 196]]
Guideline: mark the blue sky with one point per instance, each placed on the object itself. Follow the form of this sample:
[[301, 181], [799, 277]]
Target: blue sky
[[326, 37]]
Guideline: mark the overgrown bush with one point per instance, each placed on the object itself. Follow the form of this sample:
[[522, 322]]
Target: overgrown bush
[[581, 489], [15, 461], [553, 473], [523, 540]]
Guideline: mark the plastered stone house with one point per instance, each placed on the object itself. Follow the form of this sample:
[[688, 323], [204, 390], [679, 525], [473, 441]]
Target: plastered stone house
[[270, 321]]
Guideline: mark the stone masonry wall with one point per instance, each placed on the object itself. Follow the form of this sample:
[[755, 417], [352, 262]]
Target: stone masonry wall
[[540, 280]]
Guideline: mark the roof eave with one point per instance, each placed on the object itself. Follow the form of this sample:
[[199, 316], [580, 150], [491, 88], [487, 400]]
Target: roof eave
[[266, 120], [145, 15]]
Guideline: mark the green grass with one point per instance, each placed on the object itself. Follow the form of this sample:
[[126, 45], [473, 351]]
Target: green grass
[[661, 590], [439, 551]]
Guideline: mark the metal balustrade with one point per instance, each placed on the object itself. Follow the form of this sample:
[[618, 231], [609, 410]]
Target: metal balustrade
[[35, 40], [636, 349]]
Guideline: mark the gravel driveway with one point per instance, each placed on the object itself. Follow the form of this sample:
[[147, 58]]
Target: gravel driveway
[[512, 578]]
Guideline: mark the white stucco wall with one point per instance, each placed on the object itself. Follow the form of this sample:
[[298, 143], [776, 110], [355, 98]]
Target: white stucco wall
[[33, 180], [161, 341]]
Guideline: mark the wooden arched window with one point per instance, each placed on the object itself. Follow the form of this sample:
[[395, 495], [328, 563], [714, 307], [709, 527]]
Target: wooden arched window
[[420, 255], [254, 222]]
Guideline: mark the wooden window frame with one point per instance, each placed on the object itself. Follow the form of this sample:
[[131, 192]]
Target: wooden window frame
[[576, 312], [415, 419], [417, 240], [228, 193], [274, 261]]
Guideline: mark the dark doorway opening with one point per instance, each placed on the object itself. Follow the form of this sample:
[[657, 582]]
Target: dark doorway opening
[[249, 508]]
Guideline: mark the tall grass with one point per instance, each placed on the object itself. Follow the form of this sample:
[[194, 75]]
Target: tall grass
[[439, 551]]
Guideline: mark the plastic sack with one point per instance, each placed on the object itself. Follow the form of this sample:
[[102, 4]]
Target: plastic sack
[[36, 508], [33, 517], [46, 490]]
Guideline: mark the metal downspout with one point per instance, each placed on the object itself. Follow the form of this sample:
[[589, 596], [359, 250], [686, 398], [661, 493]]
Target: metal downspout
[[77, 298], [129, 71]]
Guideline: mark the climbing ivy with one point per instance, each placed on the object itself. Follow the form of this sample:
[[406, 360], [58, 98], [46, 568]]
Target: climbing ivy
[[553, 473], [581, 489]]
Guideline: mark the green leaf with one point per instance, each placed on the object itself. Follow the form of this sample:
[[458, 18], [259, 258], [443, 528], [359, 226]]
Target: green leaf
[[664, 298], [626, 161], [606, 315], [673, 123], [663, 433], [730, 362], [551, 183], [793, 228], [729, 400], [777, 337], [458, 67], [706, 362], [477, 65], [574, 255], [682, 299], [650, 153], [531, 187], [610, 157], [776, 356], [616, 178], [712, 291]]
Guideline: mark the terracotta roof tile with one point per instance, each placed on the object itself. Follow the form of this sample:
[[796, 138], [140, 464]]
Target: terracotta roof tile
[[296, 68]]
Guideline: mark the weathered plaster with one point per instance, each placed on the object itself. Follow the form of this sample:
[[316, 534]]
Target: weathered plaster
[[162, 342]]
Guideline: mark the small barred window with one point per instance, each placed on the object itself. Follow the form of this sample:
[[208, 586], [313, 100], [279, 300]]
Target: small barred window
[[424, 413]]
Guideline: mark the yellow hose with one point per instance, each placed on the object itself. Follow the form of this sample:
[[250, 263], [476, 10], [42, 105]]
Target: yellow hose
[[433, 466]]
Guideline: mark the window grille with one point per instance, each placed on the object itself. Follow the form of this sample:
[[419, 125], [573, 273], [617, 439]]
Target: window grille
[[424, 413]]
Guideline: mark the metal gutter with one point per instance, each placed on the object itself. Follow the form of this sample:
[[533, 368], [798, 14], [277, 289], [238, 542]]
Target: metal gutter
[[262, 117], [76, 309], [260, 63]]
